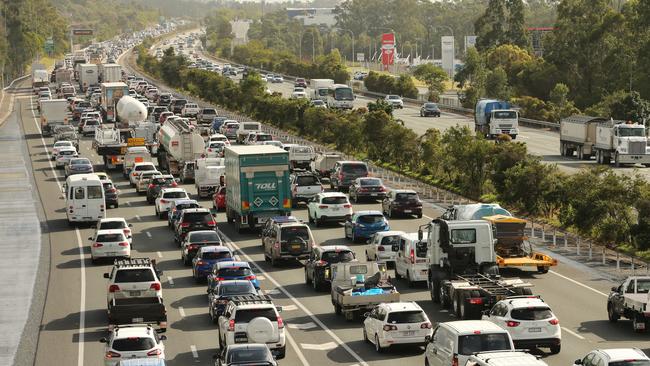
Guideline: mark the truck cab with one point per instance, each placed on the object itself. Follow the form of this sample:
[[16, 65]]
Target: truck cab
[[495, 117], [630, 300]]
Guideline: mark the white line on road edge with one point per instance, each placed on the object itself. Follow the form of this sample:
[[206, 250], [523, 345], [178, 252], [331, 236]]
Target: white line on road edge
[[82, 301], [128, 203], [170, 280], [299, 304], [573, 333], [181, 311], [159, 254], [148, 235], [195, 354], [578, 283], [289, 308]]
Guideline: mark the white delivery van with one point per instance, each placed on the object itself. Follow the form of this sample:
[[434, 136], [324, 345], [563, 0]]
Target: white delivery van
[[411, 262], [84, 198]]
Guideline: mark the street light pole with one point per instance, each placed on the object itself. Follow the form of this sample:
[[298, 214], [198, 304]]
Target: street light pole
[[353, 54]]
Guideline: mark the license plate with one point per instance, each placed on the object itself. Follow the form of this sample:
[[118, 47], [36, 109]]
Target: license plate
[[241, 339], [110, 254], [135, 293], [407, 211], [335, 208], [408, 333], [423, 271], [534, 330], [295, 246], [137, 320], [373, 194]]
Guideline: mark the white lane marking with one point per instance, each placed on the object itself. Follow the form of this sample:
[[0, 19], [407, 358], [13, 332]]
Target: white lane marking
[[128, 203], [159, 254], [148, 235], [579, 283], [427, 217], [274, 291], [261, 278], [304, 326], [298, 303], [319, 347], [289, 308], [170, 280], [181, 311], [573, 333], [294, 345], [137, 217], [82, 301], [195, 353]]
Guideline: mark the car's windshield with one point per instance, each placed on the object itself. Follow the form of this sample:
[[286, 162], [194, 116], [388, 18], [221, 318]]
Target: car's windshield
[[531, 313], [401, 317], [239, 288], [337, 256], [211, 236], [343, 94], [134, 275], [430, 106], [370, 219], [631, 132], [292, 234], [463, 236], [357, 169], [489, 211], [505, 114], [470, 344], [133, 344]]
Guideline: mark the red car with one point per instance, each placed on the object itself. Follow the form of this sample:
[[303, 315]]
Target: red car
[[219, 199]]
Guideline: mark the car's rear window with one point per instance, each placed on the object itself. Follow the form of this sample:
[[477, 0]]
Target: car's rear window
[[80, 162], [334, 200], [163, 181], [216, 255], [390, 240], [469, 344], [175, 195], [307, 180], [146, 167], [402, 317], [406, 197], [242, 288], [133, 344], [107, 185], [204, 236], [110, 237], [246, 315], [532, 313], [134, 275], [95, 192], [370, 219], [370, 182], [249, 356], [235, 272], [357, 169], [263, 137], [338, 257], [294, 233], [194, 217], [108, 225], [186, 206]]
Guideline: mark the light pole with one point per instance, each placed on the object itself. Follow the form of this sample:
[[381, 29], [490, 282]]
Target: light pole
[[353, 55], [313, 48]]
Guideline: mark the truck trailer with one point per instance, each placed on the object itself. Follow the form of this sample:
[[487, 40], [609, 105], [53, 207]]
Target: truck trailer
[[178, 145], [54, 112]]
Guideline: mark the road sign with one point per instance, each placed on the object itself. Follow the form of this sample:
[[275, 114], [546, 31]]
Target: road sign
[[361, 57], [135, 141], [49, 45], [82, 32]]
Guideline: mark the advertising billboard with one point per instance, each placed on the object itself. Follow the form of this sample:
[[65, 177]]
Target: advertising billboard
[[387, 50], [448, 54]]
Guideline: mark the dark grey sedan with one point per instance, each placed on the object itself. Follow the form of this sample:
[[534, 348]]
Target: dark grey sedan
[[429, 109], [78, 166]]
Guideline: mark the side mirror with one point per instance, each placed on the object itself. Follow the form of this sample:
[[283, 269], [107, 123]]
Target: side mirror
[[368, 241], [90, 238], [614, 289], [103, 340], [177, 180], [578, 362], [130, 225], [279, 309], [163, 337], [106, 275], [427, 339], [365, 315]]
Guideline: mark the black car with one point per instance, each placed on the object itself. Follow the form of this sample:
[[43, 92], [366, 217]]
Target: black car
[[219, 292], [193, 219], [194, 240], [367, 188], [429, 109], [110, 194], [318, 266], [158, 182]]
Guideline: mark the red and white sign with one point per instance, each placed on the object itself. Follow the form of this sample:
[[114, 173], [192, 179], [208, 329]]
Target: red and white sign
[[387, 49]]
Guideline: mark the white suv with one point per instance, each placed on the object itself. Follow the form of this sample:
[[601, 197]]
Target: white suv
[[529, 320], [252, 319], [504, 358], [132, 342], [133, 278], [167, 198], [383, 246], [109, 244], [137, 169], [395, 100], [396, 323], [615, 356], [116, 223], [329, 206]]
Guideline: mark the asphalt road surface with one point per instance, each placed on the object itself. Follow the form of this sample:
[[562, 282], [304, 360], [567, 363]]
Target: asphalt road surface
[[74, 315]]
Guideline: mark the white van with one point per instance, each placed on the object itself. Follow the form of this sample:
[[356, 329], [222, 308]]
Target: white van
[[504, 358], [411, 262], [84, 198], [135, 154]]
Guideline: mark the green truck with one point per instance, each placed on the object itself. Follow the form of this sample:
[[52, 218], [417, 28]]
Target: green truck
[[257, 184]]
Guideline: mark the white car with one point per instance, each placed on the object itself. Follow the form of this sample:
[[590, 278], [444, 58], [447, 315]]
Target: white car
[[91, 115], [395, 100], [135, 341], [278, 79], [137, 169], [59, 145], [166, 199], [215, 149], [614, 357], [504, 358], [329, 206], [317, 103], [396, 323], [64, 156], [111, 243], [219, 137], [383, 246], [273, 143], [299, 95], [190, 109], [530, 322], [133, 278], [151, 93], [116, 223]]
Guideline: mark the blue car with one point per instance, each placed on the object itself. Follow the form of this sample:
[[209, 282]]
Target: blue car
[[219, 293], [175, 212], [236, 270], [217, 122], [363, 224], [206, 258]]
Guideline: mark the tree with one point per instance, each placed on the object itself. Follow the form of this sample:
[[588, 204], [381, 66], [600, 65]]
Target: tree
[[435, 78], [517, 34], [496, 85], [473, 72], [489, 26], [631, 108]]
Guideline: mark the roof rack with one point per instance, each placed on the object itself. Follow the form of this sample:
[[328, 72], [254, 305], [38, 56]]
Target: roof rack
[[133, 262], [251, 299]]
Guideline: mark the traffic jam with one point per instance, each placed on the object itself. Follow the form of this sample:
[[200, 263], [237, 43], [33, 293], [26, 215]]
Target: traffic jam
[[202, 174]]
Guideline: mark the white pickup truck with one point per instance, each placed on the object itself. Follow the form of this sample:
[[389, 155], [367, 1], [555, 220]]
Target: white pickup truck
[[630, 300], [301, 156], [245, 128], [358, 287]]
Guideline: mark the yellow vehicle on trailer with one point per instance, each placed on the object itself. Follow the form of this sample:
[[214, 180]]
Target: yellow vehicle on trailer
[[512, 246]]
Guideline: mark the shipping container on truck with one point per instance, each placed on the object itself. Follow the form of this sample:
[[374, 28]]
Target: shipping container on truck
[[88, 76], [257, 184], [53, 112], [111, 94], [111, 73]]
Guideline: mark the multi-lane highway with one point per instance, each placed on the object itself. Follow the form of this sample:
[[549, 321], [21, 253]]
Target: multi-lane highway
[[74, 314]]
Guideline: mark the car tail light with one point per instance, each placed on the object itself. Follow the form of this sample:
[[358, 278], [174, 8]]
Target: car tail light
[[112, 190], [156, 352], [554, 322], [185, 224], [163, 201], [323, 206], [150, 185], [388, 327], [111, 354], [192, 247], [231, 325], [382, 189], [127, 231], [124, 244], [426, 325], [363, 189], [381, 249], [321, 263], [155, 286], [174, 184], [280, 323], [200, 262], [512, 323], [134, 174], [286, 203], [341, 176], [222, 302], [347, 205], [211, 223], [113, 288], [245, 205], [220, 279], [454, 361], [476, 301], [97, 245], [412, 256], [276, 245], [250, 278]]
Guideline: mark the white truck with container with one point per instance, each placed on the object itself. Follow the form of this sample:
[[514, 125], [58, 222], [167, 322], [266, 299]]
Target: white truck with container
[[209, 174], [495, 117], [40, 77], [179, 144], [319, 88], [54, 112], [110, 73], [88, 76], [631, 300]]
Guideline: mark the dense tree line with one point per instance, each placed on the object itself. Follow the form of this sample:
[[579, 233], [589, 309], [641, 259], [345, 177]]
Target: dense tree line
[[596, 203]]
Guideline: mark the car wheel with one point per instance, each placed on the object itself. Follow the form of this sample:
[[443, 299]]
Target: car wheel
[[378, 347], [390, 213], [311, 221], [611, 314], [281, 353], [555, 349], [274, 262], [409, 282], [419, 215], [337, 309], [316, 284], [367, 257], [307, 280], [93, 260], [365, 335], [317, 221]]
